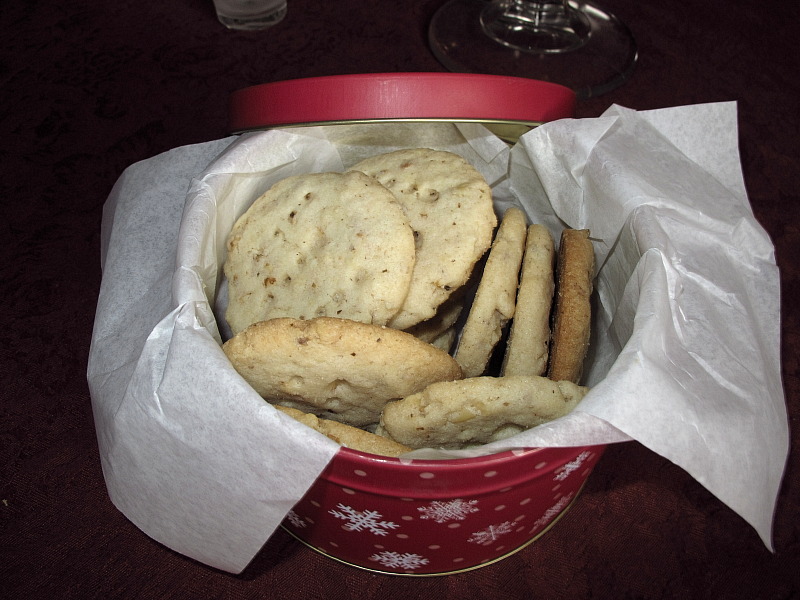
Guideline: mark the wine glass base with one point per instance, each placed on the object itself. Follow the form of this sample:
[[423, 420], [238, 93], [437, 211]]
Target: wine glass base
[[603, 61]]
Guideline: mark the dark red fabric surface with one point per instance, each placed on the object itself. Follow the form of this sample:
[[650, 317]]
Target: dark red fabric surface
[[89, 87]]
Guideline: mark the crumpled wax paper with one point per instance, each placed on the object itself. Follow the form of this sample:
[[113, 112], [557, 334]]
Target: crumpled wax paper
[[685, 344]]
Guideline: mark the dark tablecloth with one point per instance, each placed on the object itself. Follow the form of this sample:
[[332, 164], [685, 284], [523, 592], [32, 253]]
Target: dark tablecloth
[[89, 87]]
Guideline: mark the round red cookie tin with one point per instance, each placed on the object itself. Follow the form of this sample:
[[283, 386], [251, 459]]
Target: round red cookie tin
[[489, 99], [437, 517], [407, 516]]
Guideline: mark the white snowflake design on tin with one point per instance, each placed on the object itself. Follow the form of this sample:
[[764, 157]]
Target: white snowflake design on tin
[[395, 560], [563, 472], [551, 512], [295, 519], [363, 520], [454, 510], [490, 534]]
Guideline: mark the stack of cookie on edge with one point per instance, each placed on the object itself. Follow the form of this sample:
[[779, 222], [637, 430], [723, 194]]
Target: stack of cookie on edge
[[346, 292]]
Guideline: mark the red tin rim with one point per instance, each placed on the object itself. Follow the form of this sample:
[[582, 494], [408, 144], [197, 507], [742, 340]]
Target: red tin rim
[[399, 96], [460, 475], [360, 458], [365, 458]]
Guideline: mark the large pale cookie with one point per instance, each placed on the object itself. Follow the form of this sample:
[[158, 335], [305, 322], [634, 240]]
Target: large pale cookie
[[325, 244], [336, 368], [346, 435], [495, 298], [527, 350], [449, 205], [573, 311], [477, 410]]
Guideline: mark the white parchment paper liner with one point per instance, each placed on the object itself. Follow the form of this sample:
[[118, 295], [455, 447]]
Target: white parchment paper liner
[[685, 346]]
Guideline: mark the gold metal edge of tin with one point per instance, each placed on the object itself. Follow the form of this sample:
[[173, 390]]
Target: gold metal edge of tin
[[443, 573], [508, 131]]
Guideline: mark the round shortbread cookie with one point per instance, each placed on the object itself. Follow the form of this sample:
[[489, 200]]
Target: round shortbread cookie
[[449, 205], [347, 435], [495, 298], [573, 312], [336, 368], [477, 410], [529, 339], [325, 244]]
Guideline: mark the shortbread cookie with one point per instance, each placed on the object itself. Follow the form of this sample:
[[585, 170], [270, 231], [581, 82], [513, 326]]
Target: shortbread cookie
[[445, 318], [325, 244], [348, 436], [336, 368], [529, 337], [449, 205], [477, 410], [495, 298], [445, 340], [573, 311]]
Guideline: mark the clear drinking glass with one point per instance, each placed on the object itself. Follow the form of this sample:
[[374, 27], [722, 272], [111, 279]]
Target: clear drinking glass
[[250, 15], [572, 42]]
